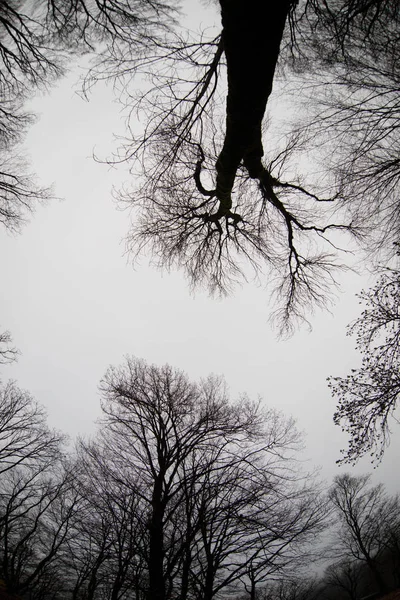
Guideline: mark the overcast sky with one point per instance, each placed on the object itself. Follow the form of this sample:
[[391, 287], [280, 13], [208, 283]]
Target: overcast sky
[[75, 305]]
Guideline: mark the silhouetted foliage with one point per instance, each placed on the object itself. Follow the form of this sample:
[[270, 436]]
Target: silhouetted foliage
[[35, 512], [207, 202], [104, 554], [184, 486], [36, 498], [367, 397]]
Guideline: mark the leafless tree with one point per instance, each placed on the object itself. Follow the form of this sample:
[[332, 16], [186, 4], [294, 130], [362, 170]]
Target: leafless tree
[[367, 397], [353, 87], [214, 480], [299, 588], [37, 503], [25, 437], [35, 40], [363, 512], [7, 352], [104, 554], [207, 203], [346, 576], [26, 63], [392, 540]]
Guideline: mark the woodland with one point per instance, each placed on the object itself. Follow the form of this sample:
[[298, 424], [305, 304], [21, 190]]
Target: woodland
[[184, 493]]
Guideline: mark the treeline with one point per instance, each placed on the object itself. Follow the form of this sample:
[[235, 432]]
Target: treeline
[[182, 494]]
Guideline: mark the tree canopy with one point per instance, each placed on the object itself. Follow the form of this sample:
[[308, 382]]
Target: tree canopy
[[223, 191], [218, 194], [368, 396]]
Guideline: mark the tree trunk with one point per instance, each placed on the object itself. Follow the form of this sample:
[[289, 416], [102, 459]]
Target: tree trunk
[[209, 582], [252, 35], [156, 551], [382, 587]]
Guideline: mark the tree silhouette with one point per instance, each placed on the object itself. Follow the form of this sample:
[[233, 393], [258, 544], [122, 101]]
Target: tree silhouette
[[37, 40], [37, 503], [345, 576], [355, 109], [364, 514], [214, 481], [368, 396], [208, 203], [25, 438]]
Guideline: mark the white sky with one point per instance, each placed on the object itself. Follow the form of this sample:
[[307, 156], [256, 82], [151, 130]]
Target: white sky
[[74, 305]]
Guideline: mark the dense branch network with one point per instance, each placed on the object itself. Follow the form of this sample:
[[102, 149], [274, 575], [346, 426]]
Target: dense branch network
[[207, 202], [217, 196], [38, 40], [353, 94], [368, 397]]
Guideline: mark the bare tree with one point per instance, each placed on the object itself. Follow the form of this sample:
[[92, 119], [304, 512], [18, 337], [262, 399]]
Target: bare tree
[[345, 576], [26, 63], [7, 352], [35, 40], [198, 206], [363, 512], [367, 397], [25, 437], [208, 203], [299, 588], [104, 555], [353, 89], [214, 480], [37, 503]]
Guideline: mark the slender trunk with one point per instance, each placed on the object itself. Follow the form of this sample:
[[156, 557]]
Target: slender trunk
[[380, 582], [252, 586], [117, 585], [93, 581], [156, 550], [185, 573], [209, 583]]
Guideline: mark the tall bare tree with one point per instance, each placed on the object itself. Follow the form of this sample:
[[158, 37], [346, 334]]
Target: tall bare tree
[[364, 513], [103, 556], [214, 480], [207, 201]]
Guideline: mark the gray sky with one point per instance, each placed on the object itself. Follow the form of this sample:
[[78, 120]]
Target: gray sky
[[75, 305]]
